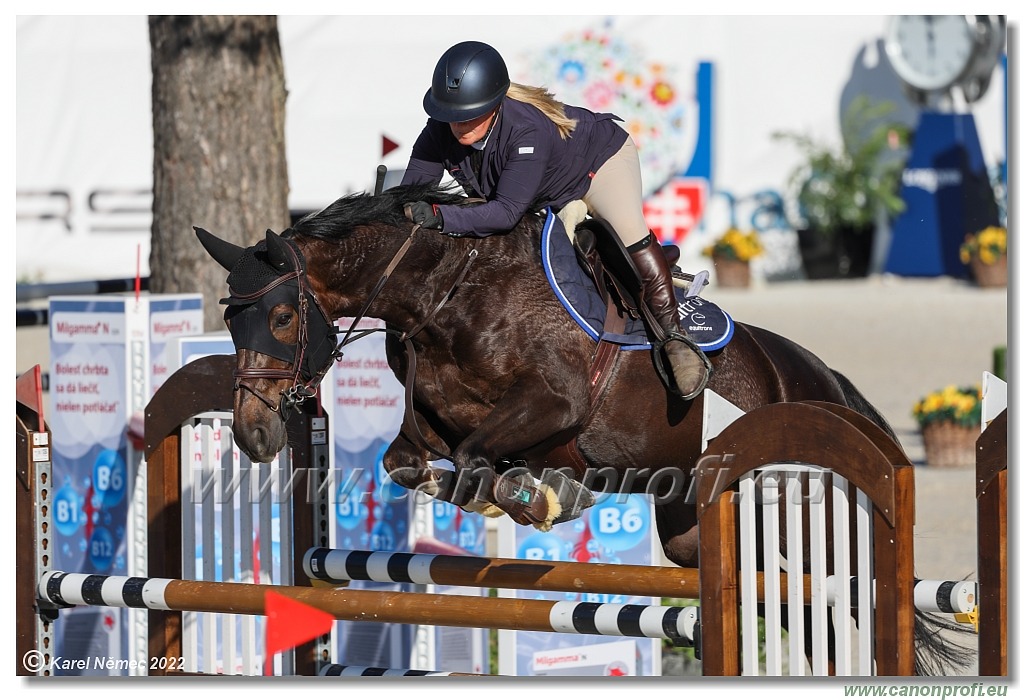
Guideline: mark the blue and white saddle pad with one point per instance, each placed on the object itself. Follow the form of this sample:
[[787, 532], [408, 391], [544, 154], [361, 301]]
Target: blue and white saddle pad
[[708, 325]]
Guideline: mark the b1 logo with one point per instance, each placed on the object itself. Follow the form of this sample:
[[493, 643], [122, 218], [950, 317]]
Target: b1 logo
[[621, 524], [544, 545], [67, 510], [349, 511]]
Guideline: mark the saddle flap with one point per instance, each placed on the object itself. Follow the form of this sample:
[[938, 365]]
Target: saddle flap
[[602, 250], [614, 255]]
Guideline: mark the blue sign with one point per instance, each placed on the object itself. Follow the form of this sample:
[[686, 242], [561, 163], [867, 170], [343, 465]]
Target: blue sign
[[948, 195]]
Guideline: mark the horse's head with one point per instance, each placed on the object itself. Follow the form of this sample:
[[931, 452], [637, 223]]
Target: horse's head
[[284, 341]]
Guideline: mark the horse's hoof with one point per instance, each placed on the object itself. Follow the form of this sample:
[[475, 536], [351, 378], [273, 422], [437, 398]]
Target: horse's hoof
[[488, 510], [554, 508], [524, 501], [572, 497]]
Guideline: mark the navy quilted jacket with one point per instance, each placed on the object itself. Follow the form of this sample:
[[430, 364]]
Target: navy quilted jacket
[[526, 165]]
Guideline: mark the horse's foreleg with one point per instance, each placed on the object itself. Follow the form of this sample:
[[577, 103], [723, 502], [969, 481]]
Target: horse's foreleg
[[529, 414], [406, 459], [406, 463]]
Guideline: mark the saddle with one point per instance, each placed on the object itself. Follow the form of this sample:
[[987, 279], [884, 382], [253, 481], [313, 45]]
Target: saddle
[[620, 286], [610, 266]]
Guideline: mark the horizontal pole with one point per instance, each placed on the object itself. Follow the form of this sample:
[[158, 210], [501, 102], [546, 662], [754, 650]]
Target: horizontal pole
[[31, 317], [29, 292], [364, 671], [342, 565], [339, 566], [657, 622]]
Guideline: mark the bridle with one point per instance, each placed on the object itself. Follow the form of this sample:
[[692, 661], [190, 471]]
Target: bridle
[[306, 380]]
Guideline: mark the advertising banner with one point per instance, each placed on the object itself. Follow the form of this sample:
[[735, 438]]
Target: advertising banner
[[618, 529], [108, 355], [442, 528], [364, 400]]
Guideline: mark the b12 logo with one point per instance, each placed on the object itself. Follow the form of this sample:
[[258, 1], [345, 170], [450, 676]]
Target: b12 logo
[[101, 549]]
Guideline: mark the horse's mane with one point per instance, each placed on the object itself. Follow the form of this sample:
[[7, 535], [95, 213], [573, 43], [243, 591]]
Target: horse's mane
[[361, 209]]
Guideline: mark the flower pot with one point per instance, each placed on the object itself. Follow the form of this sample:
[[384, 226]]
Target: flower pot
[[839, 254], [857, 245], [731, 273], [993, 275], [948, 444]]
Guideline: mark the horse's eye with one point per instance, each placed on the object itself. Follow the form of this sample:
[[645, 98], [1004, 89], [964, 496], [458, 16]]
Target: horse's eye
[[283, 320]]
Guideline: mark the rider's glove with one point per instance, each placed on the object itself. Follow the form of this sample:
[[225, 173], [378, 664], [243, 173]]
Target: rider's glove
[[426, 215]]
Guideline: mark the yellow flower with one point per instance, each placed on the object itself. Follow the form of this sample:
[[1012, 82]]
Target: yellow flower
[[735, 244], [988, 245], [961, 405]]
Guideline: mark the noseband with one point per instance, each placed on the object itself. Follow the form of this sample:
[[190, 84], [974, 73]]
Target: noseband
[[311, 356]]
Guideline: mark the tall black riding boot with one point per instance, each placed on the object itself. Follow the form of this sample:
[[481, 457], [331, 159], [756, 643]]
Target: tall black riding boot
[[690, 367]]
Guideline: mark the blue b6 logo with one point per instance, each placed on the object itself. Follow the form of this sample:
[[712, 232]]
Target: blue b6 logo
[[621, 524]]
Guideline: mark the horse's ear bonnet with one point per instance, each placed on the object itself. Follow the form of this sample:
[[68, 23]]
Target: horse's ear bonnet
[[249, 269], [257, 267]]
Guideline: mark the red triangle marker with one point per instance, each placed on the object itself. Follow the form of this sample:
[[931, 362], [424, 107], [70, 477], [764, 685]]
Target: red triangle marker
[[387, 145], [290, 623]]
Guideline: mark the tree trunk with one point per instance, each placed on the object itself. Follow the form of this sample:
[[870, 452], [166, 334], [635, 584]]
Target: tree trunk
[[218, 141]]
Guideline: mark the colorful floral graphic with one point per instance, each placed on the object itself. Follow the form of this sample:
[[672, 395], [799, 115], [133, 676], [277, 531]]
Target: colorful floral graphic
[[597, 70]]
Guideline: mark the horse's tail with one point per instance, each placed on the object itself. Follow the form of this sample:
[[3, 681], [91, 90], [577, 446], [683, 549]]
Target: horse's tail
[[857, 401], [939, 650], [941, 647]]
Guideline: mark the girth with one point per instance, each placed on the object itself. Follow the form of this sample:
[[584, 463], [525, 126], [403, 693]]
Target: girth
[[618, 303]]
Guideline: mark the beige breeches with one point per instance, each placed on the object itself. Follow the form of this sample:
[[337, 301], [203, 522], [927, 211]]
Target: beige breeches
[[616, 194]]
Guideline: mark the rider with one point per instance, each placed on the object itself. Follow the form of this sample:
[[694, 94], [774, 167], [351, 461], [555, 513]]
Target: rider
[[521, 150]]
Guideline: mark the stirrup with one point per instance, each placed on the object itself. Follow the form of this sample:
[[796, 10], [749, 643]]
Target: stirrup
[[657, 349]]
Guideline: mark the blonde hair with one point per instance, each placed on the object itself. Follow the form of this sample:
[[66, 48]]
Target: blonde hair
[[544, 101]]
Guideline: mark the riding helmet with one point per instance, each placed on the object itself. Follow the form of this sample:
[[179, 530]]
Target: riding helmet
[[469, 80]]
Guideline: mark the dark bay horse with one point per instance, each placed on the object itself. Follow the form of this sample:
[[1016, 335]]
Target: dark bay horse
[[496, 371]]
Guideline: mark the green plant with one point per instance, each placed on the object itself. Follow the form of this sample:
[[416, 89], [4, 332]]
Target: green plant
[[845, 187], [960, 405], [999, 361]]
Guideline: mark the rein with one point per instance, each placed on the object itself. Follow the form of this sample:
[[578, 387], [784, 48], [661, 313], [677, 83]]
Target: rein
[[405, 337]]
